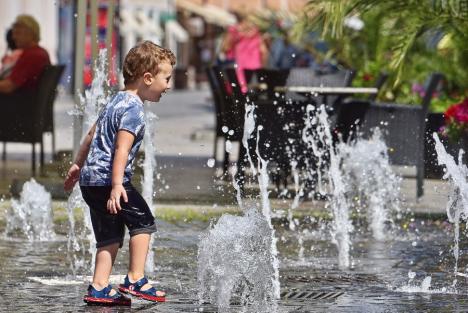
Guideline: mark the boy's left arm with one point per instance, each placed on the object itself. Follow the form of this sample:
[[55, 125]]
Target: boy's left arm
[[123, 145], [74, 171]]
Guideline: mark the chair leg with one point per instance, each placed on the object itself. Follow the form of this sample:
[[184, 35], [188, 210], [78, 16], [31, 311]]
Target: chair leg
[[33, 160], [42, 156], [215, 147], [226, 159], [4, 151], [53, 143], [419, 181]]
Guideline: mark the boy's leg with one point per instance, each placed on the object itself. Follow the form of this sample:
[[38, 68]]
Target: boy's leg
[[139, 245], [105, 257]]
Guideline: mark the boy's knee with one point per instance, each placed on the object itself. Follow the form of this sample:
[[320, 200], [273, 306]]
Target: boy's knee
[[144, 230]]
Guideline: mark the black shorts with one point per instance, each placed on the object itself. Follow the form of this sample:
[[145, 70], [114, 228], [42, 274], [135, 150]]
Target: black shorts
[[110, 228]]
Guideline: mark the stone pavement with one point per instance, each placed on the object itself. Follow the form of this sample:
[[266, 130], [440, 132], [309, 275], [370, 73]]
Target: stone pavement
[[184, 142]]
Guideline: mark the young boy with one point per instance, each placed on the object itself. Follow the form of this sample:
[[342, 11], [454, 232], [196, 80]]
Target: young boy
[[109, 150]]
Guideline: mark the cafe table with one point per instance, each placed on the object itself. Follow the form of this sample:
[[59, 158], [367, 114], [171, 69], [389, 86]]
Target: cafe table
[[324, 92]]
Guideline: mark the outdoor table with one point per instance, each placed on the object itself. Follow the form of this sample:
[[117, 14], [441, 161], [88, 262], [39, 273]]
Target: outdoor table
[[327, 91]]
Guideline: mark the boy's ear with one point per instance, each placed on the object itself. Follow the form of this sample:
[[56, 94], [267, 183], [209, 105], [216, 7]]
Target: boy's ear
[[148, 78]]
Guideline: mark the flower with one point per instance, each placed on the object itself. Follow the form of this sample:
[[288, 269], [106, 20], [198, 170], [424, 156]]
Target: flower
[[367, 77], [456, 120]]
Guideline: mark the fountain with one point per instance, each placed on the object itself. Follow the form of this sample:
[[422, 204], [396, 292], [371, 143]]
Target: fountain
[[31, 215], [238, 256], [90, 105], [149, 167], [457, 206], [233, 259], [353, 171], [366, 168]]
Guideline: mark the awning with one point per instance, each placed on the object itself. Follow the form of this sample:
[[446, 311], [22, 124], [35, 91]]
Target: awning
[[211, 13], [175, 29], [138, 22]]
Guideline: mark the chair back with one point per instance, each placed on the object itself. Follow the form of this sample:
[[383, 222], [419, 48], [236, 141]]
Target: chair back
[[272, 78], [231, 76], [309, 78], [381, 79], [404, 129], [349, 117], [46, 93], [431, 86], [216, 93], [232, 108]]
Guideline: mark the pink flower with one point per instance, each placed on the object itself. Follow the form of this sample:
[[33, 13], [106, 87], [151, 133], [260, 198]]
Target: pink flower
[[417, 88]]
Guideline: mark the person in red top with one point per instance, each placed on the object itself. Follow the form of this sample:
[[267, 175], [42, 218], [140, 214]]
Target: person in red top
[[27, 70]]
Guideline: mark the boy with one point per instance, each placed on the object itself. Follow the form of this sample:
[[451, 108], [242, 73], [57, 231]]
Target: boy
[[109, 149]]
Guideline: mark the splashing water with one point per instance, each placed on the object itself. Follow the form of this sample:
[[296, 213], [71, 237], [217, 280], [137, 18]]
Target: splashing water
[[360, 169], [79, 242], [239, 253], [90, 105], [266, 210], [232, 259], [457, 206], [314, 138], [149, 168], [424, 287], [32, 214], [96, 97], [318, 138], [367, 170]]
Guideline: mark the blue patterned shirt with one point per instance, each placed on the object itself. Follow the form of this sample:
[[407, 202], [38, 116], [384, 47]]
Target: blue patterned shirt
[[124, 111]]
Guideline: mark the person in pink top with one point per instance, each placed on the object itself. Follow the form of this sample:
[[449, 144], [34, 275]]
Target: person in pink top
[[244, 43], [10, 57]]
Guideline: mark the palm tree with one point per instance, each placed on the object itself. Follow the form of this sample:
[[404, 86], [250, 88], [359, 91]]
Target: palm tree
[[396, 29]]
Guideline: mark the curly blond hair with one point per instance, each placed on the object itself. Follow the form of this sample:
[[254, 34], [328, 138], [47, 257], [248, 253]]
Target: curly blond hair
[[145, 58]]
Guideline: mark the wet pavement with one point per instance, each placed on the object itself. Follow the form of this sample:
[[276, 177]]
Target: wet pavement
[[377, 281]]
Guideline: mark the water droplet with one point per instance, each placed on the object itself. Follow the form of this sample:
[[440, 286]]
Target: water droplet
[[211, 162]]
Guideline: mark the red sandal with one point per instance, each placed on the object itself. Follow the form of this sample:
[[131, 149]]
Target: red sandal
[[135, 290], [103, 297]]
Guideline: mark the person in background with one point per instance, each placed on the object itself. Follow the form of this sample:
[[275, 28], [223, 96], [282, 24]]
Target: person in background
[[11, 56], [245, 45], [29, 66]]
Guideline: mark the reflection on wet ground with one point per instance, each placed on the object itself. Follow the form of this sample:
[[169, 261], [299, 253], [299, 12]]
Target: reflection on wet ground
[[377, 282]]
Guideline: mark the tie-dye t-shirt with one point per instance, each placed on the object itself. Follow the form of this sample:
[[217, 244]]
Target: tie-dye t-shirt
[[123, 112]]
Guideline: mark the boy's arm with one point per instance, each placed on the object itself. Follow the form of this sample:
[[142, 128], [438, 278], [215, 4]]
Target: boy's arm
[[84, 147], [74, 171], [123, 145]]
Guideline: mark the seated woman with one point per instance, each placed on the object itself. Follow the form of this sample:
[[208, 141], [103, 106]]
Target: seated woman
[[29, 66]]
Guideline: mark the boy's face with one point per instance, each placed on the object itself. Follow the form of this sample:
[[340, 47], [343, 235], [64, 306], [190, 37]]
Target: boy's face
[[159, 83]]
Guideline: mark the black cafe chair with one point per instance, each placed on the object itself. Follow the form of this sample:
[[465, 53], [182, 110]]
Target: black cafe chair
[[27, 115]]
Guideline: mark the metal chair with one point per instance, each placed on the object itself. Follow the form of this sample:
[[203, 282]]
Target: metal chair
[[27, 115]]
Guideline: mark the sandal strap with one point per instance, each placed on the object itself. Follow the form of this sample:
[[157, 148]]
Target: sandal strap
[[103, 293], [107, 290], [151, 291], [141, 282], [136, 285]]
